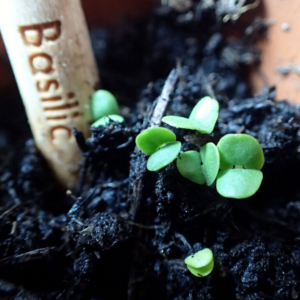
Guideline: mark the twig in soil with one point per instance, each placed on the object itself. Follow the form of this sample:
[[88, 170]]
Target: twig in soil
[[138, 171], [28, 256], [125, 144], [153, 119], [154, 227], [9, 210], [239, 9], [183, 240], [163, 100]]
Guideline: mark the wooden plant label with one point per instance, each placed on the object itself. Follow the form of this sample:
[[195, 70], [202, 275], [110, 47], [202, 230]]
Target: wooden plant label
[[50, 52]]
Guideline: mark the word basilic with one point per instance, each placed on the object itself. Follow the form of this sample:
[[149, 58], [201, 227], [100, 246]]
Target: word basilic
[[234, 163]]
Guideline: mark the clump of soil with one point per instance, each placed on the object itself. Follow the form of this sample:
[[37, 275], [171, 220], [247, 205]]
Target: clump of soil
[[126, 231]]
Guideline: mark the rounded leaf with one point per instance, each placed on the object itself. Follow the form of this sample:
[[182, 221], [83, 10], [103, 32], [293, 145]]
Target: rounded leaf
[[106, 119], [104, 103], [211, 162], [238, 183], [163, 156], [189, 166], [205, 114], [240, 150], [180, 122], [204, 271], [201, 263], [151, 139]]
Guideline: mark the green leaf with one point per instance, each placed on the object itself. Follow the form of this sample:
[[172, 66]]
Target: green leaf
[[201, 272], [189, 166], [104, 103], [163, 156], [179, 122], [151, 139], [203, 117], [238, 183], [201, 263], [205, 114], [106, 119], [240, 150], [211, 162]]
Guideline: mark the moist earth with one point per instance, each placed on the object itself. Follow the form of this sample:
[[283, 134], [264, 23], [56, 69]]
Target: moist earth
[[125, 232]]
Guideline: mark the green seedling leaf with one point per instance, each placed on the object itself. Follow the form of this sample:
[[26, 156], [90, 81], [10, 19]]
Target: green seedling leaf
[[211, 162], [202, 271], [180, 122], [205, 114], [151, 139], [240, 150], [163, 156], [201, 263], [104, 103], [203, 117], [106, 119], [189, 166], [238, 183]]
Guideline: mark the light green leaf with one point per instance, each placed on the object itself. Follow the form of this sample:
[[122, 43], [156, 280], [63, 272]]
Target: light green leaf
[[189, 166], [238, 183], [179, 122], [240, 150], [106, 119], [201, 263], [205, 114], [104, 103], [201, 272], [211, 162], [203, 117], [151, 139], [163, 156]]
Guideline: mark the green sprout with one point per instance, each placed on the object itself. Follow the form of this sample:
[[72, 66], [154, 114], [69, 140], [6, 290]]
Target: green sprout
[[240, 150], [211, 162], [106, 119], [105, 108], [238, 183], [241, 158], [160, 143], [234, 164], [200, 167], [163, 156], [201, 263], [202, 118], [189, 166], [151, 139]]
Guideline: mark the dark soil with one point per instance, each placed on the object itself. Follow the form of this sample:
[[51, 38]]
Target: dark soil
[[126, 231]]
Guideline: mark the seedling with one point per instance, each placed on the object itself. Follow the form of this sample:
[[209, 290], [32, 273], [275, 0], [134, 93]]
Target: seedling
[[106, 119], [235, 162], [151, 139], [200, 167], [240, 150], [201, 263], [160, 143], [203, 117], [238, 183], [211, 162], [189, 166], [243, 153], [163, 156], [103, 104]]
